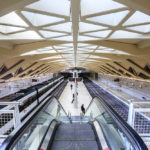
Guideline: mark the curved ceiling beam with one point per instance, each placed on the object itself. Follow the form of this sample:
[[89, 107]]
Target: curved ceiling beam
[[7, 6], [124, 47], [142, 5]]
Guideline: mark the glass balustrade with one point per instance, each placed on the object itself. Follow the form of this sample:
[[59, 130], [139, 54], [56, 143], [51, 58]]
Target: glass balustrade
[[114, 136], [35, 132]]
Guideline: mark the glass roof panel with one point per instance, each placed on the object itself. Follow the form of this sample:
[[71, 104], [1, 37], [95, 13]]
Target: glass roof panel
[[65, 51], [86, 38], [39, 19], [112, 19], [101, 34], [84, 51], [142, 28], [67, 45], [45, 48], [95, 6], [64, 27], [59, 47], [61, 7], [52, 57], [66, 55], [22, 35], [137, 18], [120, 52], [13, 19], [84, 27], [64, 38], [9, 29], [98, 57], [38, 52], [91, 60], [104, 51], [81, 49], [69, 48], [107, 49], [49, 34], [112, 52], [102, 47], [82, 45], [91, 46], [125, 34], [56, 61]]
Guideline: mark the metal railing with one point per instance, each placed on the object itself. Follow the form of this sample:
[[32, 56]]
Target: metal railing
[[11, 117], [139, 117], [34, 128]]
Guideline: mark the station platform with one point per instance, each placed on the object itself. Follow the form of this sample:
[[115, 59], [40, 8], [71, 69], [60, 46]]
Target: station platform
[[82, 98]]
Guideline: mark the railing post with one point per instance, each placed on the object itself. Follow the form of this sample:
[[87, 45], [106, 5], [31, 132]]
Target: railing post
[[131, 114], [16, 116]]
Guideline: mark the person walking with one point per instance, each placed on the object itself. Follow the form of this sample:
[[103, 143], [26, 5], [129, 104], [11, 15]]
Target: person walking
[[71, 86], [73, 98], [83, 109]]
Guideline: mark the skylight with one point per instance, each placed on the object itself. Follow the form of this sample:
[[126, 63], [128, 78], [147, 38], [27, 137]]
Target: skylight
[[111, 19], [141, 28], [61, 7], [98, 57], [100, 34], [137, 18], [38, 52], [40, 19], [111, 52], [22, 35], [10, 29], [86, 38], [96, 6], [13, 19], [63, 27], [100, 22], [127, 35], [50, 34], [67, 45], [84, 27], [52, 57], [64, 38]]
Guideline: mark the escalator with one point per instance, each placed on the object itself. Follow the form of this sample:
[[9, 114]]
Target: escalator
[[50, 128], [74, 136]]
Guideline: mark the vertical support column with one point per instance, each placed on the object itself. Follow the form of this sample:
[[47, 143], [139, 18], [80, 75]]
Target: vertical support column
[[16, 116], [131, 114], [75, 89]]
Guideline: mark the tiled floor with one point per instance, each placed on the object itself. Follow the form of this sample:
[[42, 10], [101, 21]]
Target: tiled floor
[[82, 98]]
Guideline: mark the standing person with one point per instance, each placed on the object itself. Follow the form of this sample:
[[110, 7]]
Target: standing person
[[83, 109], [71, 86], [73, 98]]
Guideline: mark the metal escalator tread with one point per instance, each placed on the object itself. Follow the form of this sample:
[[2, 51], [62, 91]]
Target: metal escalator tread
[[75, 136]]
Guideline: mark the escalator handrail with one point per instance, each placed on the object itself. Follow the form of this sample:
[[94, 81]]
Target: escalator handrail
[[11, 139], [131, 134], [62, 108], [46, 133]]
